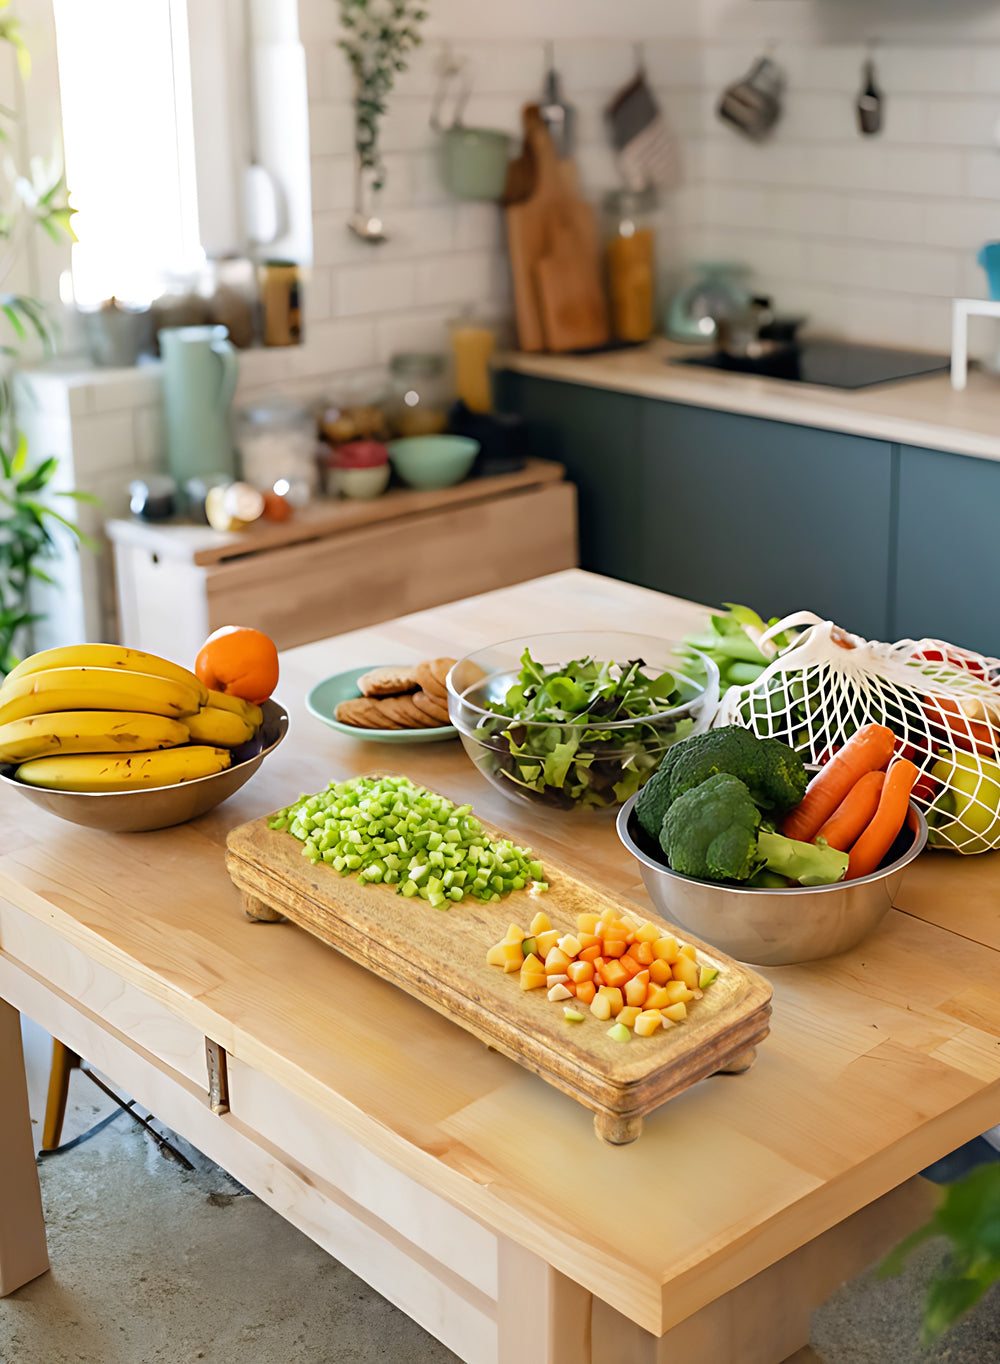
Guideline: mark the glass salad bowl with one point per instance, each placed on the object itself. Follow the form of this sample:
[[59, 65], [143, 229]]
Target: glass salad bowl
[[576, 720]]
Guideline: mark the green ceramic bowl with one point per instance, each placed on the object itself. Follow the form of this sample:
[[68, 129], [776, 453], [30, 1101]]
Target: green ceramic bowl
[[432, 461], [322, 703]]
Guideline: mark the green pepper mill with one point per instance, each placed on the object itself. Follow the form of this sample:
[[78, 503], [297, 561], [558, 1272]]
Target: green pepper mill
[[200, 370]]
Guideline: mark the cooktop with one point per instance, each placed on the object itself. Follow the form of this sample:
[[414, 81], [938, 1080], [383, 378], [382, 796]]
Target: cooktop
[[834, 364]]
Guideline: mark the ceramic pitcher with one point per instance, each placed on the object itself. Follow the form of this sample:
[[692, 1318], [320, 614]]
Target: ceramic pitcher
[[200, 369]]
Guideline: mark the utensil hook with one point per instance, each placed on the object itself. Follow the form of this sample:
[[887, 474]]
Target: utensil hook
[[455, 84]]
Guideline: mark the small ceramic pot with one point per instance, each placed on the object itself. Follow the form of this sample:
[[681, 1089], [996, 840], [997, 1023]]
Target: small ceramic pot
[[361, 484], [475, 162]]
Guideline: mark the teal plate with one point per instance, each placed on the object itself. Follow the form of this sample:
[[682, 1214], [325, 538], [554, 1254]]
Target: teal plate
[[324, 698]]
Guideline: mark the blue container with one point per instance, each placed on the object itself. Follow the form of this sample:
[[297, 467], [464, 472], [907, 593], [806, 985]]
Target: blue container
[[989, 259]]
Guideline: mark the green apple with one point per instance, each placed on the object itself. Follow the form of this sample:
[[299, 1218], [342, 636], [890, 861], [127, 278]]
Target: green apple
[[966, 815]]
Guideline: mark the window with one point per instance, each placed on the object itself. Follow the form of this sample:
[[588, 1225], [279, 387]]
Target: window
[[129, 144]]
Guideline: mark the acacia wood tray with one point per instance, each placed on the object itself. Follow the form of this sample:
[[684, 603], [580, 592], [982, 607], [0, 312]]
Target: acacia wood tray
[[439, 956]]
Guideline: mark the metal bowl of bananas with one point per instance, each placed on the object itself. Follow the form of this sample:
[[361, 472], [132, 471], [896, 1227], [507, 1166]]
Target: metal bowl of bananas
[[125, 741]]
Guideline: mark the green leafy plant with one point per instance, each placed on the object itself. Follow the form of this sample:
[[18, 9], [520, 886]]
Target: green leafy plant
[[969, 1217], [37, 198], [378, 35]]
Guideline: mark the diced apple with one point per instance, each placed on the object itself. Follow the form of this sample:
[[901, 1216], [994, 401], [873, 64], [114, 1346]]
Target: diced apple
[[648, 1022], [586, 923], [557, 992], [600, 1007], [495, 956], [614, 997], [580, 971], [688, 951], [557, 978], [686, 970], [675, 1012], [628, 1015], [531, 980], [665, 949], [660, 972], [587, 940], [515, 934], [620, 1033], [568, 944], [706, 975], [529, 946], [540, 923], [635, 992], [556, 961], [572, 1015], [533, 966], [546, 941], [647, 932], [677, 992], [658, 997]]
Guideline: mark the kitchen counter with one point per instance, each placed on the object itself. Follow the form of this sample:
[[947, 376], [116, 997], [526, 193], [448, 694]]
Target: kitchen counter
[[925, 412], [466, 1190]]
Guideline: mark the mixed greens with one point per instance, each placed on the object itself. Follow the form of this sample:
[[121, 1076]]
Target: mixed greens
[[585, 732]]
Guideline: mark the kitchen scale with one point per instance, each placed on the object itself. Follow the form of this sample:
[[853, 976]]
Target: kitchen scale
[[832, 364]]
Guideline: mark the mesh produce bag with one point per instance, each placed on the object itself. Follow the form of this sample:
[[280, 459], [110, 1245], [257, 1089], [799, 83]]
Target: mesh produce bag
[[942, 702]]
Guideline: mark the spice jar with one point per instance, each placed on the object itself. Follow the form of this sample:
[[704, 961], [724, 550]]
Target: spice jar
[[419, 394], [277, 447], [631, 263]]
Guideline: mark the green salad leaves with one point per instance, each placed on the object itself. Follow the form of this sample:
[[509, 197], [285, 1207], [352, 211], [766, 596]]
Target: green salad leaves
[[586, 732]]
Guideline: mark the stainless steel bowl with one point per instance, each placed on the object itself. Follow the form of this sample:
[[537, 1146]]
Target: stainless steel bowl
[[774, 927], [159, 807]]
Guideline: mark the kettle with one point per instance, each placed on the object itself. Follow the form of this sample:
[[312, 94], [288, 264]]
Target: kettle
[[200, 370]]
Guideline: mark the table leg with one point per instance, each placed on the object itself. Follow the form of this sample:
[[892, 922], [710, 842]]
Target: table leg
[[542, 1317], [23, 1253]]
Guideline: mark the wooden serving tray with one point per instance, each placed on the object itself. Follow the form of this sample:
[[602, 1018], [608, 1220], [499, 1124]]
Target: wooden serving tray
[[439, 957]]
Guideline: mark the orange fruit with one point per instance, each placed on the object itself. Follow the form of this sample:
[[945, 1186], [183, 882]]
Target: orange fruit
[[240, 662]]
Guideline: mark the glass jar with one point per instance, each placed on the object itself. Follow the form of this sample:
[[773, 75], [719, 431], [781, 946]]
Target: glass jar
[[419, 394], [277, 446], [630, 253]]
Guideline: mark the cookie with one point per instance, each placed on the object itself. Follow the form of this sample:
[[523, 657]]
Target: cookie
[[431, 706], [431, 674], [364, 713], [388, 681], [404, 712]]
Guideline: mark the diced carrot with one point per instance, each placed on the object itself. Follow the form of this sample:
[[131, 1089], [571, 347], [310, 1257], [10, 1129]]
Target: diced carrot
[[585, 991], [580, 970], [630, 960], [615, 947], [614, 974], [591, 952], [660, 972], [642, 951], [570, 986]]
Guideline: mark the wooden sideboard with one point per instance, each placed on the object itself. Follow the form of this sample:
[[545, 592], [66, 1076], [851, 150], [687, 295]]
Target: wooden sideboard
[[340, 565]]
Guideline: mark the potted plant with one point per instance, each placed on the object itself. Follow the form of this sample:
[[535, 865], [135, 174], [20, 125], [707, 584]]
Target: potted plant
[[378, 35]]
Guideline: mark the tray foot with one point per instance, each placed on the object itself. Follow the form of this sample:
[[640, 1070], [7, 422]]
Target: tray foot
[[257, 910], [741, 1062], [615, 1130]]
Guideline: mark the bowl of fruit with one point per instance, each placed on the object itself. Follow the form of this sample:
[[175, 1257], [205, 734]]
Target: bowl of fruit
[[125, 741], [771, 862], [576, 720]]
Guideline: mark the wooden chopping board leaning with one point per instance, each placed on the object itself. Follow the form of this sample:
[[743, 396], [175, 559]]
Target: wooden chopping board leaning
[[555, 259]]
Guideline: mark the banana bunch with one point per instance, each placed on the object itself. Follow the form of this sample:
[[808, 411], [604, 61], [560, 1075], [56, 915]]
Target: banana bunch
[[103, 717]]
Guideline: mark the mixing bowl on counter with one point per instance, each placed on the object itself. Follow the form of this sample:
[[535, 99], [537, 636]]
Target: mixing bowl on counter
[[774, 927], [578, 719]]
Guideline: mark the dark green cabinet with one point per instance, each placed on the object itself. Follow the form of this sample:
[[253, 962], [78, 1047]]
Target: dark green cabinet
[[948, 549], [595, 433], [780, 517]]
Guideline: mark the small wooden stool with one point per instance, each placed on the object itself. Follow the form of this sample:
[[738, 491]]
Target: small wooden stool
[[63, 1062]]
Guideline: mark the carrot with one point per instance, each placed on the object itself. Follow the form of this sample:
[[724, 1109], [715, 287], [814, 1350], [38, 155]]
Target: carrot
[[854, 813], [887, 821], [865, 751]]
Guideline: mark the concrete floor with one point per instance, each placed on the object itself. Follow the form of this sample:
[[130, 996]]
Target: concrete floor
[[156, 1264]]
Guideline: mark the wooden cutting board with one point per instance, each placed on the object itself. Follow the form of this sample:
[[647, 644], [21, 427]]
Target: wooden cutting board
[[439, 956], [559, 296]]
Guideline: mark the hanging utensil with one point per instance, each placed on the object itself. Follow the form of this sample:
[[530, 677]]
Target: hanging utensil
[[753, 104], [870, 101], [558, 116], [263, 207]]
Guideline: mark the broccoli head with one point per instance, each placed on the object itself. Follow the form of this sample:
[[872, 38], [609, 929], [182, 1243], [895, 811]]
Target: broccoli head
[[774, 773], [713, 831]]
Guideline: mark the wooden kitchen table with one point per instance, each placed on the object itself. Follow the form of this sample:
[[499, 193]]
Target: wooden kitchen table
[[463, 1188]]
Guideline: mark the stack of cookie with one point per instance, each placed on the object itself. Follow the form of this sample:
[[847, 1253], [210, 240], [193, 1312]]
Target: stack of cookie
[[410, 696]]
